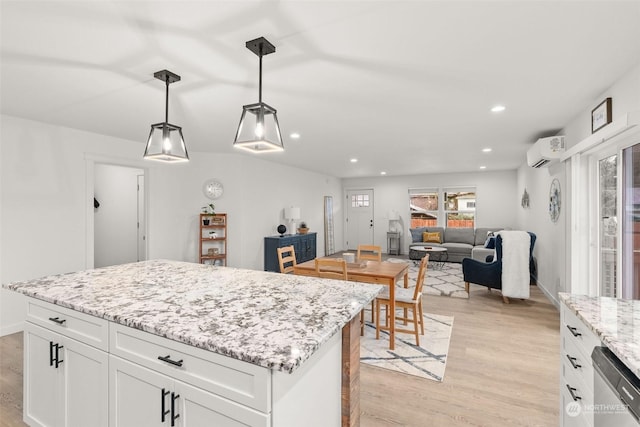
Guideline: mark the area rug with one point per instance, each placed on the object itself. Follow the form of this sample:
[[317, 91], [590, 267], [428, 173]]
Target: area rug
[[447, 281], [427, 361]]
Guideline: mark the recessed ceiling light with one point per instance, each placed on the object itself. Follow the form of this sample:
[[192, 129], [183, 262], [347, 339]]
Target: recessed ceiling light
[[295, 135], [354, 160], [486, 150], [483, 167], [498, 109], [383, 173]]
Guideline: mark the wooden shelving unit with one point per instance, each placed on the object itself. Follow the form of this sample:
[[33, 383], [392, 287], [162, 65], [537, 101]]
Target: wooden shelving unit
[[213, 239]]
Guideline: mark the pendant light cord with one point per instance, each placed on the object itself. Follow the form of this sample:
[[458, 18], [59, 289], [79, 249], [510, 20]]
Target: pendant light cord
[[260, 77], [166, 101]]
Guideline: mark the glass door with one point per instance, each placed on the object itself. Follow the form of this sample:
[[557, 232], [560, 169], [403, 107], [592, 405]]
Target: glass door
[[608, 225], [631, 223]]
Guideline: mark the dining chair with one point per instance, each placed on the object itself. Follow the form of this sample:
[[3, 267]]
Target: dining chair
[[370, 253], [406, 299], [331, 268], [287, 259], [335, 268]]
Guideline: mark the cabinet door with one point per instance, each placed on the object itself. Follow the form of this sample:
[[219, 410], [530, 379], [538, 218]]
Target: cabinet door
[[85, 386], [42, 382], [139, 397], [199, 408]]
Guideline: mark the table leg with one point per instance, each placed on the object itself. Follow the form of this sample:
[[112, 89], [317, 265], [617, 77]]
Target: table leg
[[392, 315], [351, 373]]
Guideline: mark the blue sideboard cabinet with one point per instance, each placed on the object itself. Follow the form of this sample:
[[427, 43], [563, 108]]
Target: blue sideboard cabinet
[[304, 245]]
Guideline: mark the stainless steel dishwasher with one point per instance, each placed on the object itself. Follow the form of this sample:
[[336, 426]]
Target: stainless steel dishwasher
[[616, 391]]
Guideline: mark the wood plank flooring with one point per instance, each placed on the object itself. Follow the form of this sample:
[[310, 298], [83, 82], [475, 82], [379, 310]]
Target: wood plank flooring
[[502, 370]]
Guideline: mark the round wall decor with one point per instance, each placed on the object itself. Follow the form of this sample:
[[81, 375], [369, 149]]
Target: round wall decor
[[554, 200], [213, 189]]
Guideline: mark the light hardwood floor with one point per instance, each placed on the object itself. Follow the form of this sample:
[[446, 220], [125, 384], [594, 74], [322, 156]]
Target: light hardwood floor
[[502, 370]]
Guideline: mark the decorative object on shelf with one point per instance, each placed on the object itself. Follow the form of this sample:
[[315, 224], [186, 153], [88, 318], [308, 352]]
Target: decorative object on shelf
[[213, 235], [282, 229], [212, 189], [524, 202], [259, 131], [601, 115], [303, 228], [210, 209], [218, 220], [292, 214], [554, 200], [166, 142], [394, 218], [205, 221]]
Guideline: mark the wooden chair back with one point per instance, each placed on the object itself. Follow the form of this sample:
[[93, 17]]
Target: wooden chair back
[[422, 272], [369, 253], [331, 268], [287, 259]]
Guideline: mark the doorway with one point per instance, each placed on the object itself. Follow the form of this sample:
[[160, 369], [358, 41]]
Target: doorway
[[119, 212], [359, 218]]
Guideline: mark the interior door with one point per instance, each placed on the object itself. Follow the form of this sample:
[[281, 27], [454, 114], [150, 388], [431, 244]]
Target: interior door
[[359, 219]]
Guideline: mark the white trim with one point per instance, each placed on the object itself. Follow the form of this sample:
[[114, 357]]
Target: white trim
[[12, 329]]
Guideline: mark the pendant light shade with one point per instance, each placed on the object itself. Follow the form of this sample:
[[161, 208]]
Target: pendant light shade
[[259, 130], [166, 142]]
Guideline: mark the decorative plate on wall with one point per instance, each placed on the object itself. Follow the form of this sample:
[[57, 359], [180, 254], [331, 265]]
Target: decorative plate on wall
[[554, 200]]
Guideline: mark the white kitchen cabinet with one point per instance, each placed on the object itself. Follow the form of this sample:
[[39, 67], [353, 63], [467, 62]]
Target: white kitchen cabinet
[[65, 381], [141, 397], [576, 382]]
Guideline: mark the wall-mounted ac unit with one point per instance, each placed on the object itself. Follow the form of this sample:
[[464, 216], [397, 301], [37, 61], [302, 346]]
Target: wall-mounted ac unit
[[545, 151]]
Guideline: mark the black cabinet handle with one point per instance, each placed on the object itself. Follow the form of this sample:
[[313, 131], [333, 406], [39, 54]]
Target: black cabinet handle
[[574, 396], [572, 360], [574, 331], [58, 361], [50, 353], [167, 359], [58, 320], [163, 413], [174, 416]]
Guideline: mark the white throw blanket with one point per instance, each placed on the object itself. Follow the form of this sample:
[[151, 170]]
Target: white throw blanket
[[515, 263]]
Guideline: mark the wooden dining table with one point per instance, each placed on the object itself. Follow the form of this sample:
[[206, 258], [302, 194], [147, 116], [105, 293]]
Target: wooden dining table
[[379, 273]]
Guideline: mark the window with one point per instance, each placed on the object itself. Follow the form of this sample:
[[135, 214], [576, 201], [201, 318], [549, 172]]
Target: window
[[423, 205], [460, 207], [359, 200]]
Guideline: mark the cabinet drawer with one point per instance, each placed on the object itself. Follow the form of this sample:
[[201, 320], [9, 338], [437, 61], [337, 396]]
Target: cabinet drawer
[[577, 332], [233, 379], [570, 416], [88, 329], [582, 383]]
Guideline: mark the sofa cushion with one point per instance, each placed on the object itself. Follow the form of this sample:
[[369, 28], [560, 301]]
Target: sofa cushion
[[460, 235], [416, 234], [433, 237], [482, 234]]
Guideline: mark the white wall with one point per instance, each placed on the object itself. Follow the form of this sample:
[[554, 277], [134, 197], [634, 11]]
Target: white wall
[[552, 247], [44, 220], [115, 221], [495, 196]]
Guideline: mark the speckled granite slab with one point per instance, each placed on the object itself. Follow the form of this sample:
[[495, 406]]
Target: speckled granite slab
[[269, 319], [615, 321]]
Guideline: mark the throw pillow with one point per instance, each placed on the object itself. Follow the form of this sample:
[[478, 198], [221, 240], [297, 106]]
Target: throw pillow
[[416, 234], [431, 237], [490, 243]]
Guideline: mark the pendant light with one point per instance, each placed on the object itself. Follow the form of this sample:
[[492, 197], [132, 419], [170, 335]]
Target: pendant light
[[259, 131], [166, 142]]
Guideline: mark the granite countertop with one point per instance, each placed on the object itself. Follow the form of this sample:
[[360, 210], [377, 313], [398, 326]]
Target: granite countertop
[[269, 319], [615, 321]]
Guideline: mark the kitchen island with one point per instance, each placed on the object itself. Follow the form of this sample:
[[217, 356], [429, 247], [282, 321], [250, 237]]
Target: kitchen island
[[181, 344]]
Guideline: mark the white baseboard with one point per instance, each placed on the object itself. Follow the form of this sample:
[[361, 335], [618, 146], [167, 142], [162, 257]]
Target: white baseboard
[[11, 329], [549, 295]]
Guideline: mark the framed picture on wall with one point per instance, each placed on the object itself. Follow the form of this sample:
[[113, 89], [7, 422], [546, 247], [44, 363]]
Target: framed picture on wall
[[601, 115]]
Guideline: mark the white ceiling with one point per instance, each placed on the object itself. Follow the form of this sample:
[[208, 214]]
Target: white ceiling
[[404, 86]]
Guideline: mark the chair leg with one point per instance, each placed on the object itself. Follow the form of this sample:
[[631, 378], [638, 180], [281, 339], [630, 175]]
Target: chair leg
[[505, 299], [373, 303], [377, 320], [421, 317], [466, 287], [415, 325], [362, 323]]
